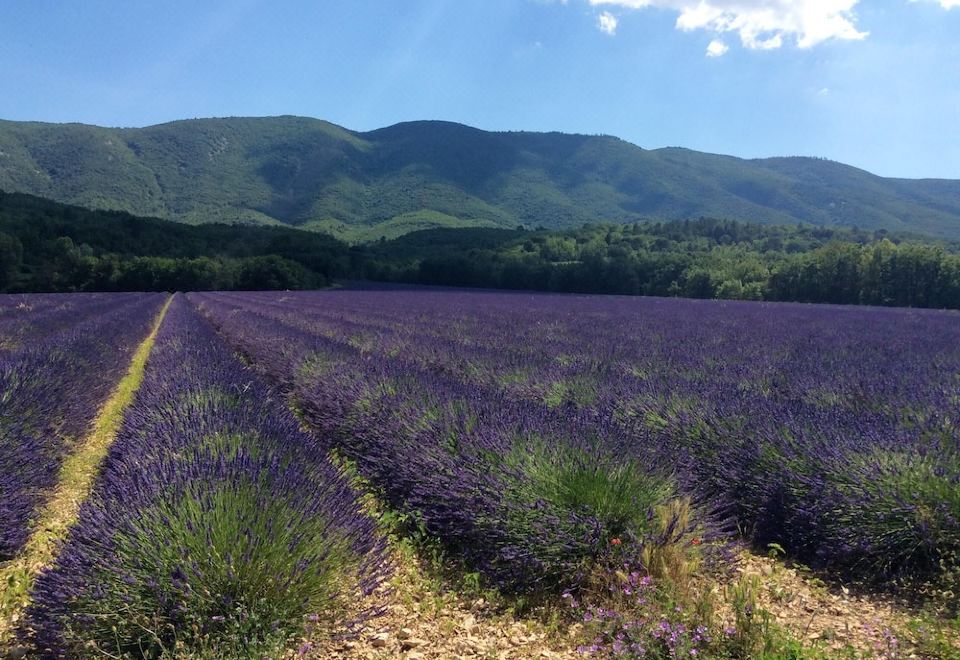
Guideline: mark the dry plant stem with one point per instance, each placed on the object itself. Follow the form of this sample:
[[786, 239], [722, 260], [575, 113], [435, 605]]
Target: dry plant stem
[[76, 479]]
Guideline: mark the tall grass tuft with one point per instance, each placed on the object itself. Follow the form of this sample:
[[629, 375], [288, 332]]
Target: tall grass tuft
[[618, 492]]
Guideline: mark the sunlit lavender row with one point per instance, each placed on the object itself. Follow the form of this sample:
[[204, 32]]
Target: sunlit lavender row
[[217, 528], [60, 357], [830, 431]]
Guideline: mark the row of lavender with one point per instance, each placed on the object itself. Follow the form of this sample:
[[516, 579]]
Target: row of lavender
[[531, 496], [216, 527], [52, 386], [26, 319], [831, 431]]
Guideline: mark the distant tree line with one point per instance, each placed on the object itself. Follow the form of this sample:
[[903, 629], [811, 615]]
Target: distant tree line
[[45, 246], [705, 258]]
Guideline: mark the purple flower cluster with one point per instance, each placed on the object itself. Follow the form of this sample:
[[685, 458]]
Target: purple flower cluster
[[637, 623], [60, 357], [215, 523], [829, 430]]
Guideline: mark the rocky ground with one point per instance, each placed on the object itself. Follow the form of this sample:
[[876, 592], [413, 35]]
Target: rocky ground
[[426, 618], [830, 619]]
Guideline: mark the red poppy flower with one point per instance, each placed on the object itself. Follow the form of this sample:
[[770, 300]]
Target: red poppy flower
[[615, 541], [695, 542]]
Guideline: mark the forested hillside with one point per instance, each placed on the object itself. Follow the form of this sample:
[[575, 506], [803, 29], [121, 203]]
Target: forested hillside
[[362, 186], [46, 246]]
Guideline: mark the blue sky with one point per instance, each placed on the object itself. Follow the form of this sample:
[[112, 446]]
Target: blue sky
[[872, 83]]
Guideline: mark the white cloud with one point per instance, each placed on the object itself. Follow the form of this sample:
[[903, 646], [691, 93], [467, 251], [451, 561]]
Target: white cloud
[[607, 23], [763, 24], [717, 48]]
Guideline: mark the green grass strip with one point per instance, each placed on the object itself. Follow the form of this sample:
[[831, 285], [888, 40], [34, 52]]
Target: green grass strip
[[76, 479]]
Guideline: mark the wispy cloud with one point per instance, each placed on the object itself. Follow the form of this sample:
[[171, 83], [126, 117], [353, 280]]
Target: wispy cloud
[[607, 23], [761, 24]]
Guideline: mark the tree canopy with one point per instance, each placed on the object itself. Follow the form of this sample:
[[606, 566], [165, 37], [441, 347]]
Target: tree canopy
[[46, 246]]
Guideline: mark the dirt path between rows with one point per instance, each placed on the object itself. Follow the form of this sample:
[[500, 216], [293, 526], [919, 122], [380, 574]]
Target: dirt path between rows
[[427, 620]]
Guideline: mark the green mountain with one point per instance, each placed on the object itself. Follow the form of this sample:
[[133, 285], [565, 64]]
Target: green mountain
[[359, 186]]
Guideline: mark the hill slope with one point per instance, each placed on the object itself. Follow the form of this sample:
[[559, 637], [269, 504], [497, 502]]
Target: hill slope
[[313, 174]]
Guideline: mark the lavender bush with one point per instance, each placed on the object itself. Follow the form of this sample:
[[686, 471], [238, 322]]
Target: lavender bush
[[217, 528]]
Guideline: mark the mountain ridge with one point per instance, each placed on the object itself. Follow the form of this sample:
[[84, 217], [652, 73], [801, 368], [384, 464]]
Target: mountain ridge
[[314, 174]]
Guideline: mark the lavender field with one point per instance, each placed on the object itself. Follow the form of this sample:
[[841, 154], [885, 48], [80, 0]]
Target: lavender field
[[599, 453], [830, 431]]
